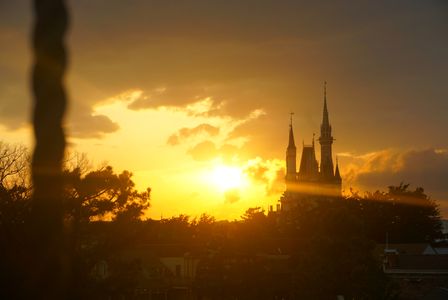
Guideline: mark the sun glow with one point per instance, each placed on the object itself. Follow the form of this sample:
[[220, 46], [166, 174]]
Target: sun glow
[[226, 177]]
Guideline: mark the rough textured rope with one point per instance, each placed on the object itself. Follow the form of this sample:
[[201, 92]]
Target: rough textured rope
[[48, 279]]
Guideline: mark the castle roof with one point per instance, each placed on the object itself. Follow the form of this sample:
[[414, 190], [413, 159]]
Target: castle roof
[[308, 163]]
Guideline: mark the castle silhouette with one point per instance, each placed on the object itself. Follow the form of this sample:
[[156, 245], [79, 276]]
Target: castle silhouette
[[311, 180]]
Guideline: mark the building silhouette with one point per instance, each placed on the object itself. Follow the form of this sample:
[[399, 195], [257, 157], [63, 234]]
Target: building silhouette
[[311, 179]]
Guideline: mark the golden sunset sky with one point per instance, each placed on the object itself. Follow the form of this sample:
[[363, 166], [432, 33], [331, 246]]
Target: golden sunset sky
[[194, 97]]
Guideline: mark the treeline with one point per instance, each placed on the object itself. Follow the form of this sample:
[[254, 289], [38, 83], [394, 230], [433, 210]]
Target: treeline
[[329, 241]]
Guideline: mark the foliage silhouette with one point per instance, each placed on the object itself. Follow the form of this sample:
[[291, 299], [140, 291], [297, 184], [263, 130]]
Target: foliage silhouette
[[319, 249], [404, 215]]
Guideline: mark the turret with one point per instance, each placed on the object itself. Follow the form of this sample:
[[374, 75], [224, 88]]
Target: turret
[[291, 153], [337, 175], [326, 141]]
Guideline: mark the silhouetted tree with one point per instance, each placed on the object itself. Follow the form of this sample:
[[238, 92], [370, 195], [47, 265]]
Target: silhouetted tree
[[104, 194], [177, 228], [15, 191], [253, 214], [14, 165], [405, 215], [417, 217], [92, 196], [204, 228], [15, 195], [332, 255]]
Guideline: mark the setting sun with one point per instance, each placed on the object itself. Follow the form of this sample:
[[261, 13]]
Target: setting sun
[[226, 177]]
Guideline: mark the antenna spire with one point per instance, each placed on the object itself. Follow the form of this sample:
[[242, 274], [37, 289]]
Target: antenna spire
[[325, 90], [325, 120]]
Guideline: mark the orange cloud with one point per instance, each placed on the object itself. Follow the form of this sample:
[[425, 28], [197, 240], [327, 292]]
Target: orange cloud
[[207, 150], [185, 133], [270, 173]]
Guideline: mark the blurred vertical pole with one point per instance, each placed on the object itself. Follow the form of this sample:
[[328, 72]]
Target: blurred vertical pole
[[49, 274]]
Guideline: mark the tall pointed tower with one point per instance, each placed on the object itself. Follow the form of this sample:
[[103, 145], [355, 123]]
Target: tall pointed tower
[[291, 153], [310, 181], [326, 141]]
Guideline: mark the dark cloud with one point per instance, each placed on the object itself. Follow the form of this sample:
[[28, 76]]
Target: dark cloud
[[420, 168], [262, 54], [426, 168], [171, 96], [383, 59], [222, 99], [233, 19], [16, 103], [88, 125], [184, 133]]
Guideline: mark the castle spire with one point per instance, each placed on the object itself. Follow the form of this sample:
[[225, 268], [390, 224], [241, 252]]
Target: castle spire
[[326, 140], [291, 170], [337, 175], [325, 119], [325, 127], [291, 143]]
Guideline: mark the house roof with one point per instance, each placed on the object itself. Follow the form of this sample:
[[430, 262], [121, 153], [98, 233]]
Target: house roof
[[423, 262], [410, 248]]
